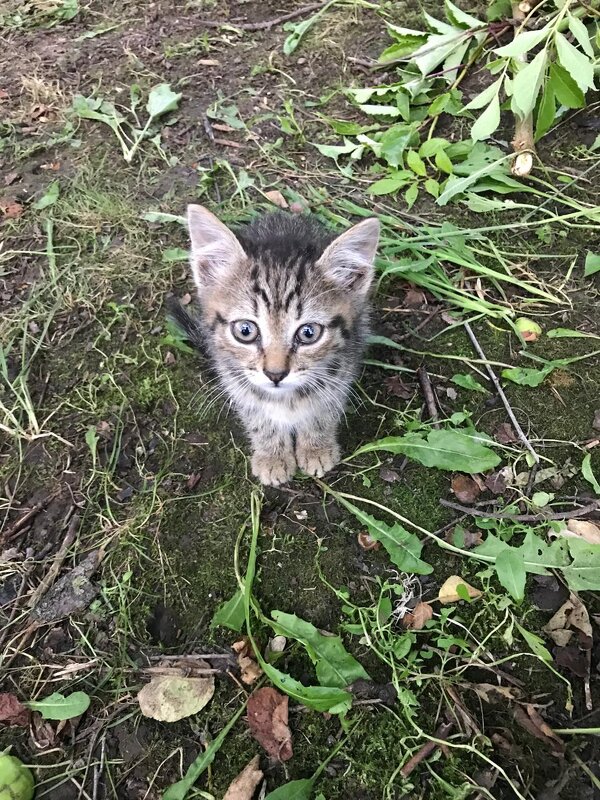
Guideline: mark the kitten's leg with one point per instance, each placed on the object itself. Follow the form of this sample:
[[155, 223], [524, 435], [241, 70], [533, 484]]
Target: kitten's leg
[[273, 459], [317, 449]]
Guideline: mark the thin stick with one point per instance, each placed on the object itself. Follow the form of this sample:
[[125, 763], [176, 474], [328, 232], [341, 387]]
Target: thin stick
[[519, 430], [24, 519], [574, 514], [427, 390], [266, 24], [57, 563], [441, 733]]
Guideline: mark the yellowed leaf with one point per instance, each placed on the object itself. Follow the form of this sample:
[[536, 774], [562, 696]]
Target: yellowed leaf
[[275, 197], [169, 698], [448, 593], [583, 529], [244, 786], [571, 616]]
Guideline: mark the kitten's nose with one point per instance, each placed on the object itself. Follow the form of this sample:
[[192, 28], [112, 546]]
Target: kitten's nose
[[276, 377]]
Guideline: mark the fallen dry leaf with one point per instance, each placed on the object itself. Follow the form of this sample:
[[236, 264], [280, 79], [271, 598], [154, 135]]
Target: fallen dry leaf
[[448, 590], [244, 786], [367, 542], [497, 481], [571, 616], [169, 698], [414, 298], [250, 672], [11, 210], [12, 711], [466, 540], [389, 475], [582, 529], [535, 724], [274, 196], [465, 488], [416, 619], [505, 434], [491, 693], [268, 722], [10, 178], [395, 386]]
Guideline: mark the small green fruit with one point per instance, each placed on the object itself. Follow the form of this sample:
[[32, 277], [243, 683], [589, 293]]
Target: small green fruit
[[16, 780]]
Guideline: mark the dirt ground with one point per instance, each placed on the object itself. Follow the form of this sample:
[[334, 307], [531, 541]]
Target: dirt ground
[[115, 460]]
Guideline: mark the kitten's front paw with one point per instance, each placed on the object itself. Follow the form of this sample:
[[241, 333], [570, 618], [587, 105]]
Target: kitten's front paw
[[317, 460], [273, 470]]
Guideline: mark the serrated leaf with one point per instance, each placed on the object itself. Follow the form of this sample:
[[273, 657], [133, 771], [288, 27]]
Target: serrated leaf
[[294, 790], [564, 87], [577, 64], [159, 216], [581, 34], [546, 112], [468, 382], [511, 573], [592, 264], [161, 100], [460, 18], [432, 187], [387, 185], [588, 474], [527, 83], [403, 547], [231, 613], [443, 162], [522, 43], [334, 665], [485, 97], [57, 706], [568, 333], [527, 376], [431, 147], [584, 571], [394, 143], [488, 122], [452, 450], [456, 186], [336, 150], [436, 50]]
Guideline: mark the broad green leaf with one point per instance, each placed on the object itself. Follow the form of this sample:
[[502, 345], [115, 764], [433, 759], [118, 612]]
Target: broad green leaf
[[437, 24], [487, 123], [443, 162], [294, 790], [334, 665], [162, 100], [436, 49], [537, 556], [527, 83], [592, 264], [564, 87], [581, 34], [60, 707], [336, 150], [588, 474], [584, 571], [174, 254], [49, 197], [403, 547], [416, 163], [411, 194], [523, 42], [406, 42], [484, 98], [231, 613], [526, 376], [511, 573], [567, 333], [375, 110], [461, 19], [456, 185], [453, 450], [394, 143], [299, 29], [321, 698], [387, 185], [546, 111], [468, 382], [431, 147], [535, 642], [483, 204], [432, 187], [179, 790], [577, 64]]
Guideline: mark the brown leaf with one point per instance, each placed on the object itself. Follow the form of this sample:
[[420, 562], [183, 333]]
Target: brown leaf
[[250, 672], [268, 722], [395, 386], [538, 727], [12, 711], [389, 475], [465, 488], [10, 177], [367, 542], [244, 786], [274, 196], [571, 616], [416, 619], [573, 659], [414, 298], [491, 693], [11, 209], [582, 529], [42, 733], [448, 590], [505, 434], [466, 540], [496, 482], [193, 480], [53, 165]]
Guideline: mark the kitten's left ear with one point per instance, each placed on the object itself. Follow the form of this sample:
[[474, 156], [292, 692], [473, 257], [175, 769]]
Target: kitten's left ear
[[348, 260], [215, 249]]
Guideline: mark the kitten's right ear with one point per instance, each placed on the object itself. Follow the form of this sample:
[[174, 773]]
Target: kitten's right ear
[[215, 248]]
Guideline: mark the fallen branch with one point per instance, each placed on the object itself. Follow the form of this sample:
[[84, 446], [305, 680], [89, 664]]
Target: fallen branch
[[429, 396], [266, 24], [442, 734], [576, 513], [27, 516], [518, 429], [57, 563]]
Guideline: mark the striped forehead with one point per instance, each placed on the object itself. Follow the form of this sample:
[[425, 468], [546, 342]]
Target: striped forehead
[[281, 288]]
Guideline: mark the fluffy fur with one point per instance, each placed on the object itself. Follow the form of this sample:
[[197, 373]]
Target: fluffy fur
[[298, 299]]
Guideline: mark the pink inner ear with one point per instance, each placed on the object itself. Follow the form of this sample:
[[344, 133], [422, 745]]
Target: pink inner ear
[[348, 260], [214, 247]]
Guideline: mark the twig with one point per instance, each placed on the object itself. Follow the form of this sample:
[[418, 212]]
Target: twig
[[519, 430], [427, 390], [531, 481], [266, 24], [574, 514], [24, 519], [441, 733], [57, 563]]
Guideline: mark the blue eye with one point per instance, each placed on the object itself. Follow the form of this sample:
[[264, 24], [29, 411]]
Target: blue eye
[[245, 331], [309, 333]]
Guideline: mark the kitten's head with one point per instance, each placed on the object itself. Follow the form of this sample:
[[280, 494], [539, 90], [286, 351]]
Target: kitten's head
[[284, 303]]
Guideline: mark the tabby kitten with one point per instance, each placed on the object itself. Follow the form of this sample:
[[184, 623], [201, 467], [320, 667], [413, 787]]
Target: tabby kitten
[[284, 315]]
